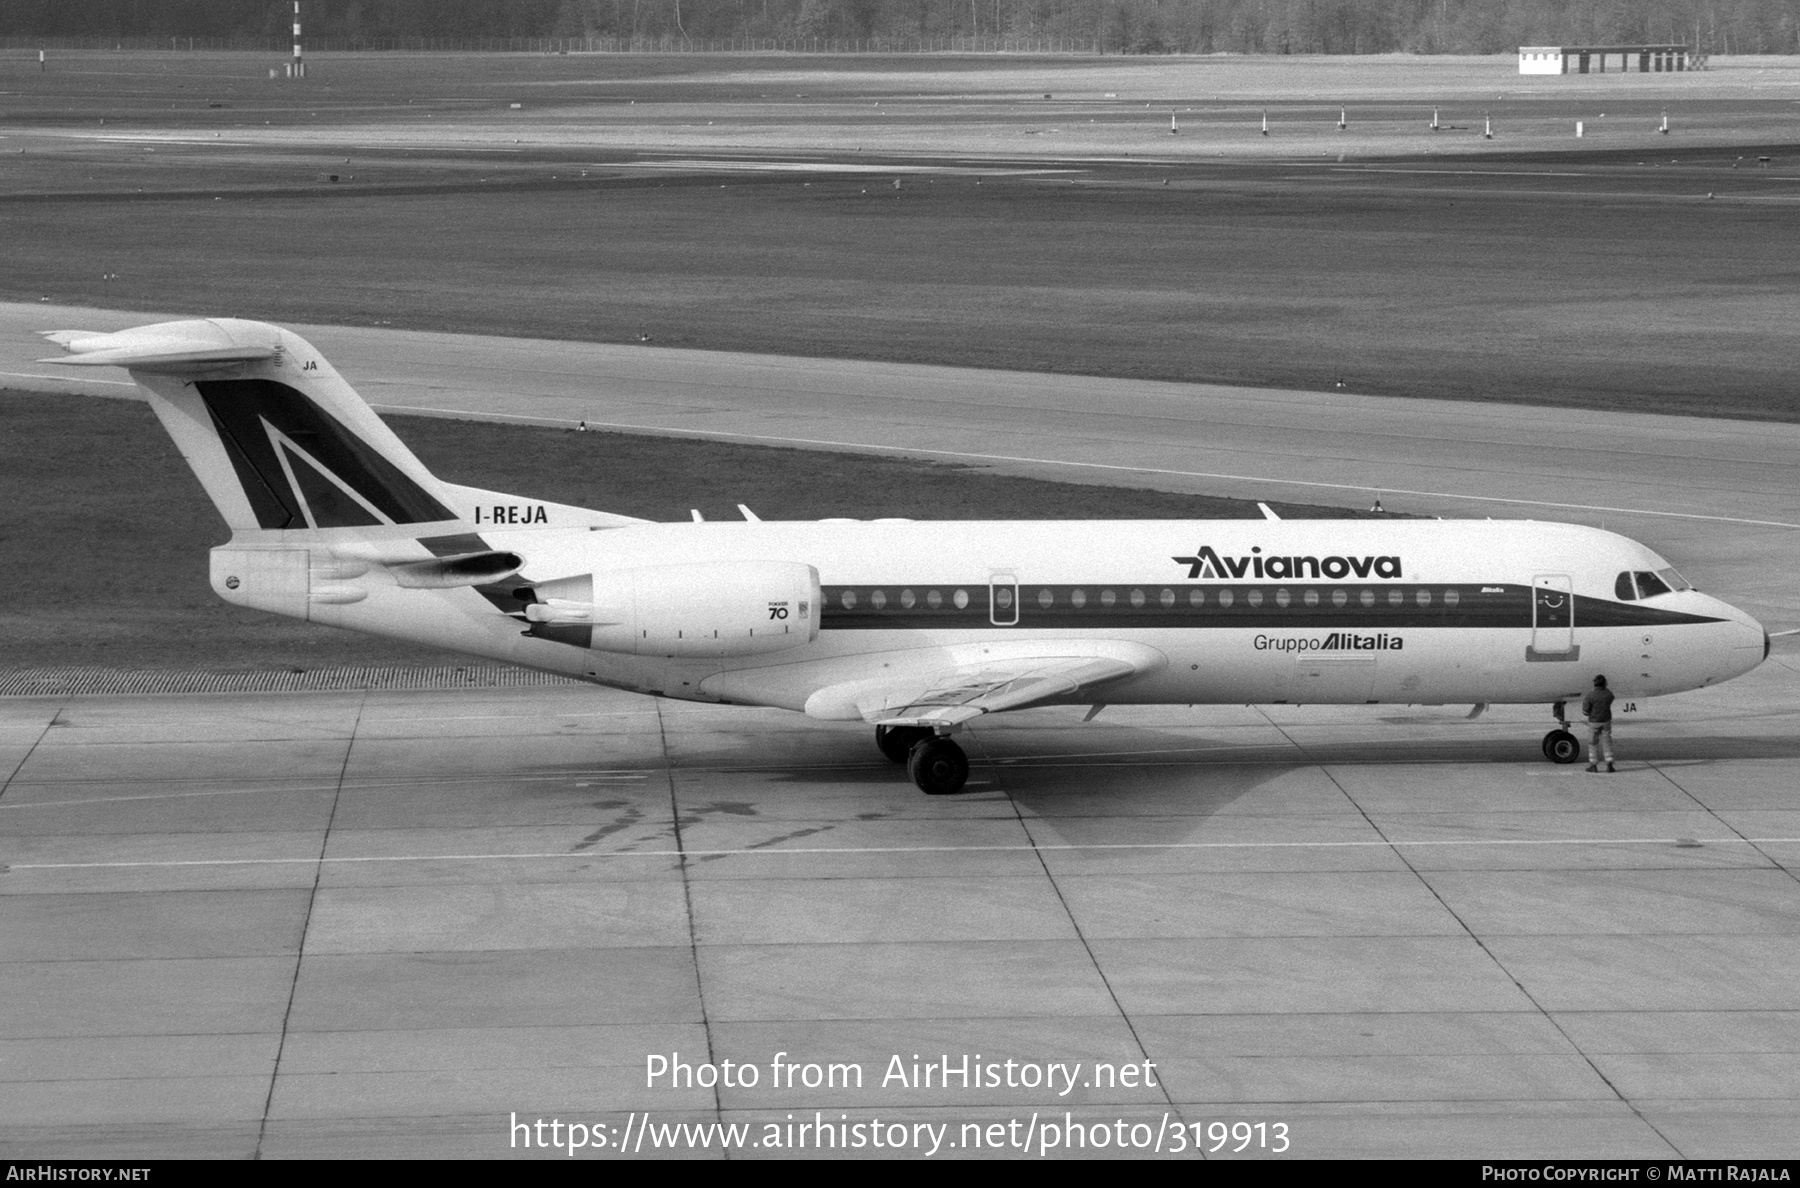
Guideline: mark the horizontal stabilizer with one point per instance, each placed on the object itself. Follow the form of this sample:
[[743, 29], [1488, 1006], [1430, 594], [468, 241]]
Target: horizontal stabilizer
[[170, 345]]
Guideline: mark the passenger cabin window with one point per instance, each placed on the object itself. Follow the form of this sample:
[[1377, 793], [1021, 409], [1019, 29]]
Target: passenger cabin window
[[1649, 585], [1623, 590]]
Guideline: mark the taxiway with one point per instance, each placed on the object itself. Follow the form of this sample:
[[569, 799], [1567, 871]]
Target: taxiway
[[385, 923], [1719, 497]]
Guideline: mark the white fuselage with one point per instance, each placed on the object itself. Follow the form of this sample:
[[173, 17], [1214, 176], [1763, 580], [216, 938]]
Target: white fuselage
[[1240, 611], [908, 625]]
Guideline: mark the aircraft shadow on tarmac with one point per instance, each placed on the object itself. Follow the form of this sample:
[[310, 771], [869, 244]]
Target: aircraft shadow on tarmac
[[818, 778], [1218, 771]]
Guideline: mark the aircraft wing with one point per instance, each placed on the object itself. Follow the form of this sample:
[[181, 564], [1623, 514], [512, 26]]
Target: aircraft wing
[[959, 690]]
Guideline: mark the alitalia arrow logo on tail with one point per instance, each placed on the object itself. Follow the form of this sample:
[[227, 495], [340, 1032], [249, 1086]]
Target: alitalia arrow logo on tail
[[1206, 564]]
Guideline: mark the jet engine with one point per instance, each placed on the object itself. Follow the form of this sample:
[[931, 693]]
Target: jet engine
[[732, 608]]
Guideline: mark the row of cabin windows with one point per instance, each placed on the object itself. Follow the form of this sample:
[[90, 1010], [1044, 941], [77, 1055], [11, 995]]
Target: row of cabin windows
[[1631, 585], [1196, 596]]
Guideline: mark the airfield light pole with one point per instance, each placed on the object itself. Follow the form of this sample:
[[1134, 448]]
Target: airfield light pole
[[297, 68]]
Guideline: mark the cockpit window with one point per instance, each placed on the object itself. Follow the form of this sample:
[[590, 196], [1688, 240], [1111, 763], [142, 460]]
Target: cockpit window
[[1623, 589], [1649, 585], [1675, 580]]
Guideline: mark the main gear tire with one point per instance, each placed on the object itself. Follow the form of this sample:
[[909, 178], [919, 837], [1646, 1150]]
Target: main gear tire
[[938, 766]]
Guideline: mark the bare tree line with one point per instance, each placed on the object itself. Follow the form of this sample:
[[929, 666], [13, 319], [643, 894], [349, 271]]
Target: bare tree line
[[1133, 26]]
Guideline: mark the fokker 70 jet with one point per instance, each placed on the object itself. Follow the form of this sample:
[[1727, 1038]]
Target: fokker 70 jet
[[916, 628]]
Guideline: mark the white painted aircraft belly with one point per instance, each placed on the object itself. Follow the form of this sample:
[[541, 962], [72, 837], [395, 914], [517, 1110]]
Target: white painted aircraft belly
[[1226, 667]]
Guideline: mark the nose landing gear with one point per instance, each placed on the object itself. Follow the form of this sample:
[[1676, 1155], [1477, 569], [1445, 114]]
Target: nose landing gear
[[1560, 746]]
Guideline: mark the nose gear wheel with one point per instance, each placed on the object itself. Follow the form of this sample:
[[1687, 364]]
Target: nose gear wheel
[[1561, 747]]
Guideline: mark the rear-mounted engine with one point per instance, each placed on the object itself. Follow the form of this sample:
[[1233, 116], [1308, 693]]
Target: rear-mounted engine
[[733, 608]]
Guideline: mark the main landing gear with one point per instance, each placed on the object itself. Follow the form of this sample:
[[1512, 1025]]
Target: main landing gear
[[1560, 746], [897, 742], [937, 765]]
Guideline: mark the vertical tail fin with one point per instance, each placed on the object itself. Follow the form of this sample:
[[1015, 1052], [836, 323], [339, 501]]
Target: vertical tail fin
[[275, 435]]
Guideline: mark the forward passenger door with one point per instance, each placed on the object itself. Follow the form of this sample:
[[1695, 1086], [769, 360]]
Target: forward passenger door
[[1553, 617]]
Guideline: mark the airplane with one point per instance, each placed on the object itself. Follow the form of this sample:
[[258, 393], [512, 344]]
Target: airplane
[[917, 628]]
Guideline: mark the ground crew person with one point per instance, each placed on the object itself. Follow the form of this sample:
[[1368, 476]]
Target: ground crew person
[[1596, 707]]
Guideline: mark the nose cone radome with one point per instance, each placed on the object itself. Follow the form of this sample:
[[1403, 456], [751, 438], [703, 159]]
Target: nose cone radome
[[1750, 643], [1740, 640]]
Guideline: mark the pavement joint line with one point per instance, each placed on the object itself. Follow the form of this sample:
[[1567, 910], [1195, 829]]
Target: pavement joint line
[[1683, 843], [1495, 959], [1712, 812], [312, 899], [43, 733], [687, 903], [1363, 488], [1087, 945]]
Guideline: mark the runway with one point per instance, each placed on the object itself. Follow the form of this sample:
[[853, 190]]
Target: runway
[[1720, 498], [388, 923], [393, 923]]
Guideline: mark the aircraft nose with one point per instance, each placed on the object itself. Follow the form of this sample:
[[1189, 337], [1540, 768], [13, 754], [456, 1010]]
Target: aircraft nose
[[1749, 642], [1752, 642]]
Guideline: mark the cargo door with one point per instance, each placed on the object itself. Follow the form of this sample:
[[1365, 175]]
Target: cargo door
[[1333, 681]]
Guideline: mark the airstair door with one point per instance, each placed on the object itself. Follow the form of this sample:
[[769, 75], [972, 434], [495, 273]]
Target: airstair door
[[1552, 615]]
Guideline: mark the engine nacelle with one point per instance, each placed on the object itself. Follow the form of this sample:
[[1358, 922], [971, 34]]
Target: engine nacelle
[[732, 608]]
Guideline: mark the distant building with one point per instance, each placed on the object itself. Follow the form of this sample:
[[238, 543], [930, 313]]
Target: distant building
[[1592, 59]]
